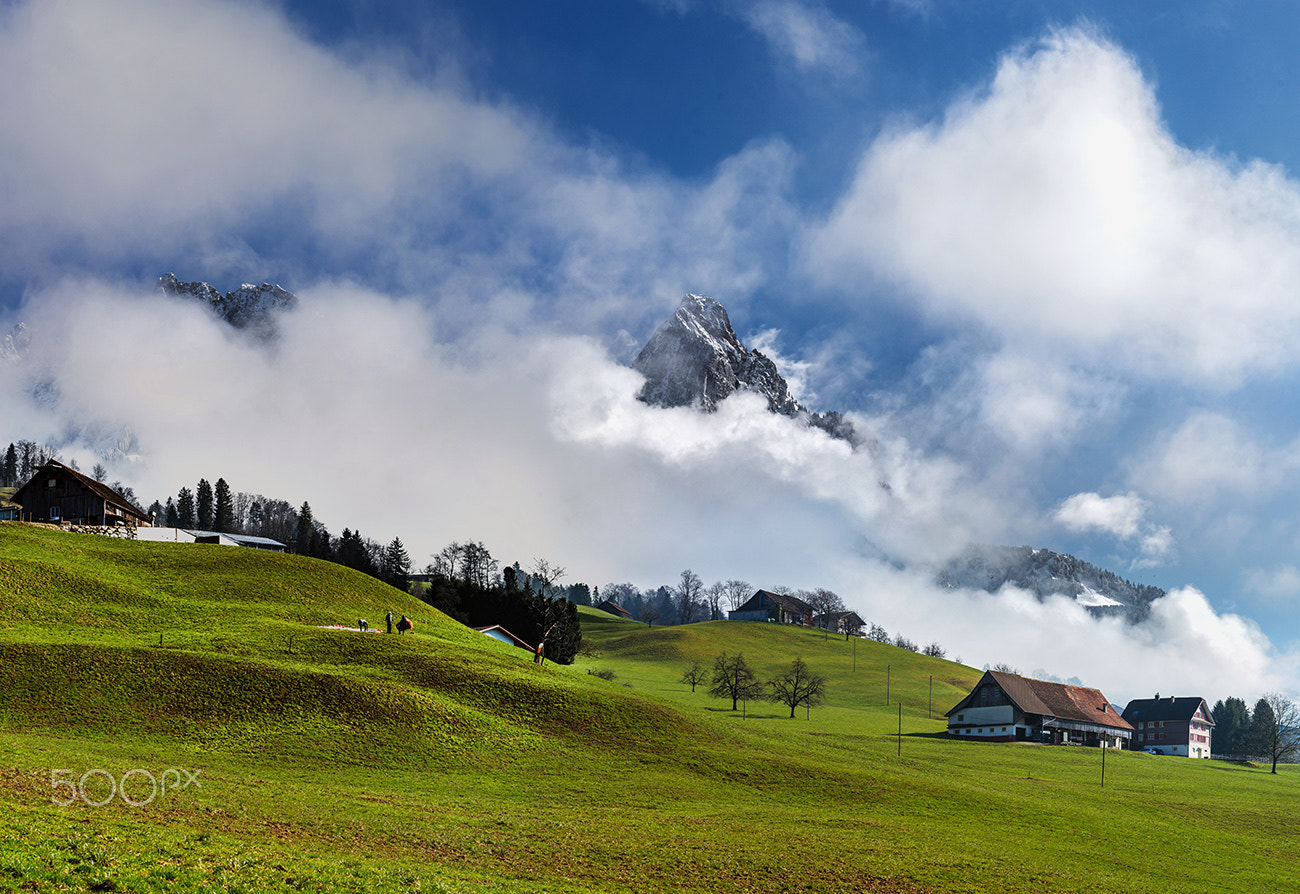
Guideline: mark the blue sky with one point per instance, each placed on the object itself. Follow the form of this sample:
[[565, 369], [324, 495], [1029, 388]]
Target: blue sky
[[1044, 252]]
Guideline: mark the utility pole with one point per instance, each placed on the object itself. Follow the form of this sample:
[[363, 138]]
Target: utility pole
[[900, 729]]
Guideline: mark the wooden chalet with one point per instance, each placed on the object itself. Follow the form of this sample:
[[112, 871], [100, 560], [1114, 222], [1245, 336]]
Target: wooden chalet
[[1007, 707], [615, 609], [59, 494], [775, 607], [846, 623], [1180, 726]]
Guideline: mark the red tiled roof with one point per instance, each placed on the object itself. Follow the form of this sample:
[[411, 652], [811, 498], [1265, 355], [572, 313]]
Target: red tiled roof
[[1059, 700]]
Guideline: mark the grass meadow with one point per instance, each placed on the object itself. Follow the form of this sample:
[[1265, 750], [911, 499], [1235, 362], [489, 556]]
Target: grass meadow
[[310, 759]]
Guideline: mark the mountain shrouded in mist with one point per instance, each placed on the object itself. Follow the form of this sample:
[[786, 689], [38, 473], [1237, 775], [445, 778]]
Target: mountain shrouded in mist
[[696, 359], [1045, 573], [250, 307]]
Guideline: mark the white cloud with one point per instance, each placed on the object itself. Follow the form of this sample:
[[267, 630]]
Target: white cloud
[[805, 33], [1121, 515], [1185, 646], [1207, 459], [1032, 402], [132, 132], [1157, 547], [1055, 209], [1279, 583]]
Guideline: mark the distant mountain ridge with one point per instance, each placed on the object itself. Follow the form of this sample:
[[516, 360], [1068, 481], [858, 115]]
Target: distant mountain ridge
[[250, 307], [1045, 573], [695, 358]]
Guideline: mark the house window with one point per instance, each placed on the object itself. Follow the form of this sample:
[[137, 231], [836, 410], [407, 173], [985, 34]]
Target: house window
[[54, 513], [51, 483]]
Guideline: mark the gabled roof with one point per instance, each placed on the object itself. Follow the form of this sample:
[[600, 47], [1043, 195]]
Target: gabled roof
[[615, 609], [1167, 709], [765, 598], [98, 488], [1064, 702], [852, 618]]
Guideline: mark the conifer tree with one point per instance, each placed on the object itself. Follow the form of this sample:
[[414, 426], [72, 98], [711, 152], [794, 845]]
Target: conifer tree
[[204, 505], [224, 516], [397, 565], [306, 530], [185, 508], [170, 515], [9, 468]]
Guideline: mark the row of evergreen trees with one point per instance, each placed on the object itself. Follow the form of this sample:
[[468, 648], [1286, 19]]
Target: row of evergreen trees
[[216, 508], [1241, 731]]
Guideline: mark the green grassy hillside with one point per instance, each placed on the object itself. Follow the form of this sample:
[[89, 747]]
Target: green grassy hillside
[[330, 760]]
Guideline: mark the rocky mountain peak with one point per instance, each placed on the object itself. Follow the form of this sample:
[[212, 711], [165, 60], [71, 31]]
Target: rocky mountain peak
[[1045, 573], [14, 346], [251, 307], [696, 359]]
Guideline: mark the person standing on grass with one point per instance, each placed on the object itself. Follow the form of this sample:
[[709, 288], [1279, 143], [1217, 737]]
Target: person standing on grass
[[388, 619], [404, 624]]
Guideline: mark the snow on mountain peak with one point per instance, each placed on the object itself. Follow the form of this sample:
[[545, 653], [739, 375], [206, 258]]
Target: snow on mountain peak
[[250, 307], [696, 359]]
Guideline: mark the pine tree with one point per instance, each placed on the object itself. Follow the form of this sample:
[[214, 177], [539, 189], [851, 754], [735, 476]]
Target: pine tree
[[397, 565], [204, 505], [9, 468], [185, 508], [173, 519], [306, 530], [224, 517]]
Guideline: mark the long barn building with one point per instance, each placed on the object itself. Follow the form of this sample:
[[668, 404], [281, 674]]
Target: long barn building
[[59, 494]]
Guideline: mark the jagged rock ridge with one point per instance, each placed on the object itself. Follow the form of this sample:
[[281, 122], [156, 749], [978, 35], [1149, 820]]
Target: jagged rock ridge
[[1045, 573], [251, 307], [15, 344], [695, 358]]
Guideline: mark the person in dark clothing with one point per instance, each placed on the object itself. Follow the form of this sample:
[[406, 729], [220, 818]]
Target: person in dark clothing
[[388, 619], [404, 624]]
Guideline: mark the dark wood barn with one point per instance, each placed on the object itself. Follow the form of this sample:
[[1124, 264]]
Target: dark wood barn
[[59, 494], [777, 607]]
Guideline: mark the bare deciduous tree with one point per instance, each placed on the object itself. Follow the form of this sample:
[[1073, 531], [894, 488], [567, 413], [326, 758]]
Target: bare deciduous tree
[[797, 686], [1279, 735], [688, 593], [738, 593], [904, 643], [547, 576], [934, 650], [733, 679], [694, 675], [714, 596]]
